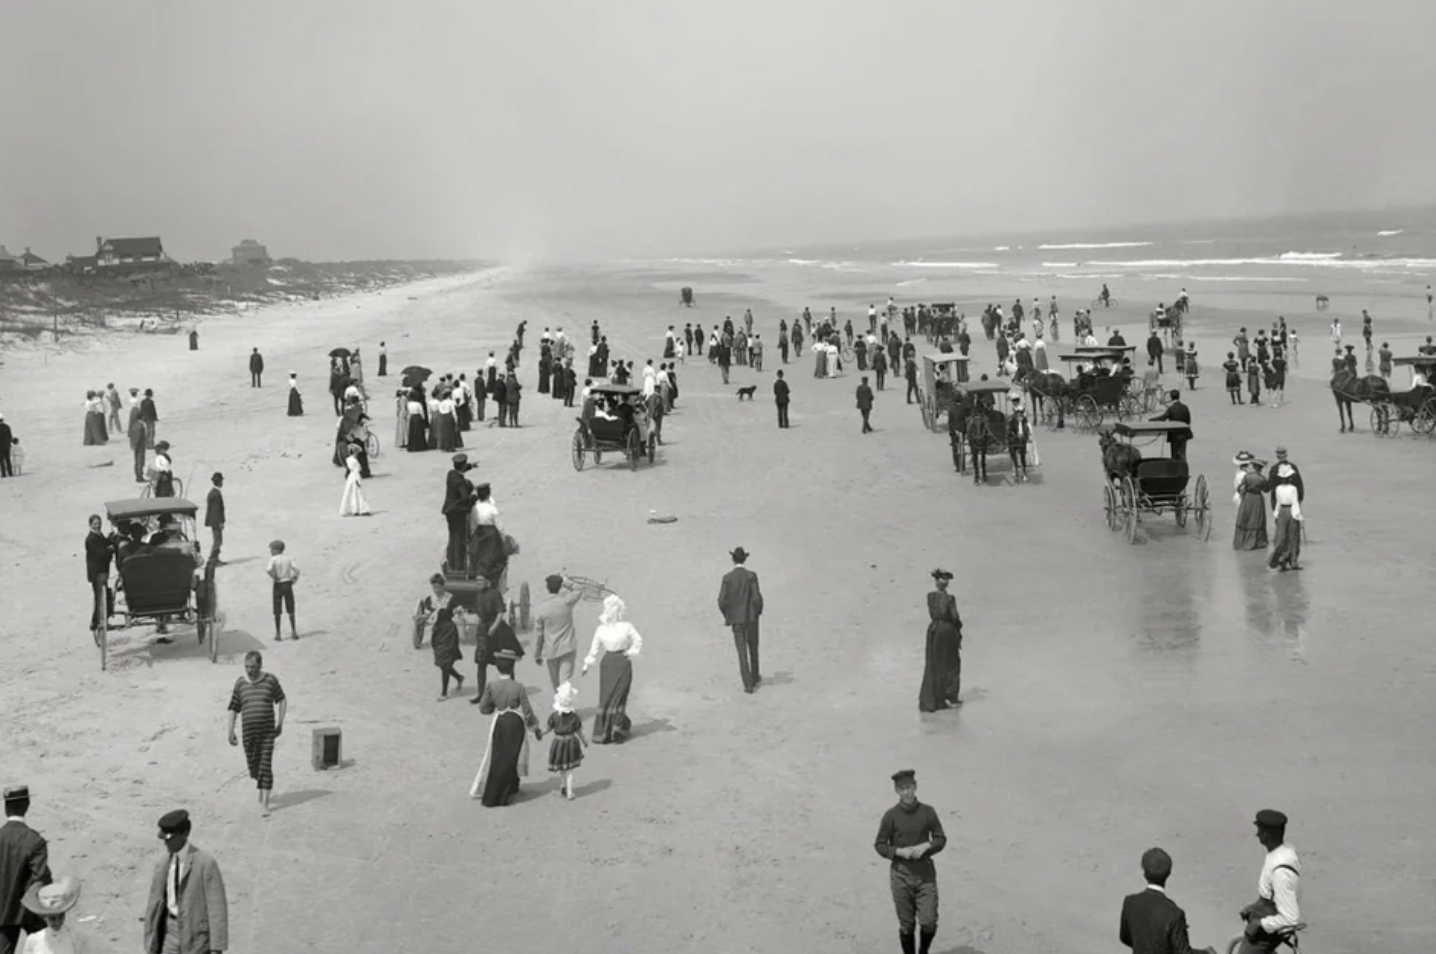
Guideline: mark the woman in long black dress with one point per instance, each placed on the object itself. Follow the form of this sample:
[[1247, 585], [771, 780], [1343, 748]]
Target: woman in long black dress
[[296, 403], [506, 757], [942, 671], [418, 422]]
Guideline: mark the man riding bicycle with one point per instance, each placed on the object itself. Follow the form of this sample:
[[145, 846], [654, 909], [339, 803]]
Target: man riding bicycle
[[1275, 915], [1106, 297]]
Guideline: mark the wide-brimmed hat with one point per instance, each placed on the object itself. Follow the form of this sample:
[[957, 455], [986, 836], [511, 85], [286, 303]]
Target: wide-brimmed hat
[[55, 898], [941, 575], [738, 555], [162, 445], [1243, 458]]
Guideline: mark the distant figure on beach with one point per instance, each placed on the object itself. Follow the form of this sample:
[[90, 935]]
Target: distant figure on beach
[[353, 503], [296, 403], [258, 704], [193, 340], [256, 368], [95, 432], [112, 404], [383, 360], [7, 440]]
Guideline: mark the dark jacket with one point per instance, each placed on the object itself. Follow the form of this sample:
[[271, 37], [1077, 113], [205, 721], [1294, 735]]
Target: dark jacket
[[1154, 346], [780, 392], [1179, 412], [865, 397], [214, 508], [1153, 924], [98, 554], [739, 599], [203, 922], [148, 413], [256, 363], [458, 493], [6, 436], [24, 860]]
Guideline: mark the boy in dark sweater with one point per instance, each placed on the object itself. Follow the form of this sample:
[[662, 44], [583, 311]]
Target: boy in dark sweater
[[909, 835]]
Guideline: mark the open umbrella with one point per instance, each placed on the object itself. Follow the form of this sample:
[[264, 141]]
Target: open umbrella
[[340, 353], [414, 375]]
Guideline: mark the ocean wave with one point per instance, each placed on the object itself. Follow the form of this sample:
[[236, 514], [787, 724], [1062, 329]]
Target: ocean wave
[[1245, 278], [1300, 259], [1309, 256], [1390, 232], [1073, 245], [960, 265], [911, 281], [805, 261], [1002, 248], [1060, 265]]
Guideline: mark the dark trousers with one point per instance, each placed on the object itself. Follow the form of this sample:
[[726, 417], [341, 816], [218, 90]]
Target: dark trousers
[[7, 468], [912, 390], [254, 378], [513, 407], [458, 539], [882, 377], [101, 579], [10, 939], [1264, 944], [724, 369], [745, 640], [139, 460], [383, 365], [782, 415], [1179, 449], [217, 536], [1158, 358], [865, 411]]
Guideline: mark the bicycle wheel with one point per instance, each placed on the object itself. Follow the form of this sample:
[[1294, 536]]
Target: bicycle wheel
[[371, 444]]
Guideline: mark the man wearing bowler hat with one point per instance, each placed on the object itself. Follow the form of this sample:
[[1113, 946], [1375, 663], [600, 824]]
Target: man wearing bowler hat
[[214, 516], [741, 603], [909, 835], [24, 861], [458, 501], [187, 912], [1276, 912]]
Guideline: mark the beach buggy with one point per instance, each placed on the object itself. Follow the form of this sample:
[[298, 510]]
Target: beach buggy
[[160, 580], [614, 421]]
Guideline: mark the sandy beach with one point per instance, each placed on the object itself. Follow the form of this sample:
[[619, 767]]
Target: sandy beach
[[1118, 696]]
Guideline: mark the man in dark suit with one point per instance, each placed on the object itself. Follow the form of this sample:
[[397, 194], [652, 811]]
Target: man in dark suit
[[7, 438], [1151, 922], [741, 603], [214, 515], [458, 501], [1155, 351], [256, 368], [150, 415], [24, 860], [1180, 413], [99, 551], [780, 395], [865, 403]]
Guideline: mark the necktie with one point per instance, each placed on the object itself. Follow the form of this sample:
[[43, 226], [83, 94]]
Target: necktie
[[174, 879]]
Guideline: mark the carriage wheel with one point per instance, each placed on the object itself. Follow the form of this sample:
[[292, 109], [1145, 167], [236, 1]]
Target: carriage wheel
[[1109, 504], [1423, 423], [1377, 427], [1089, 415], [929, 413], [148, 490], [102, 634], [371, 445], [634, 449], [578, 452], [1127, 407], [179, 488], [1049, 412], [1202, 504], [1131, 504]]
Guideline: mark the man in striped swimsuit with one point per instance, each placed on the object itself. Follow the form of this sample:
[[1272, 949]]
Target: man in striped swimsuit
[[258, 702]]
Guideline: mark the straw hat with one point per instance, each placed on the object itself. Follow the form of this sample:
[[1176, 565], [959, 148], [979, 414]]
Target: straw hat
[[1243, 458], [55, 898]]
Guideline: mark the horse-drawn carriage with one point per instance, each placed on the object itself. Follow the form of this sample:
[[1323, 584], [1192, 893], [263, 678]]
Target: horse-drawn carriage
[[161, 577], [1092, 396], [1168, 320], [940, 374], [1416, 408], [685, 297], [616, 423], [984, 419], [1135, 485]]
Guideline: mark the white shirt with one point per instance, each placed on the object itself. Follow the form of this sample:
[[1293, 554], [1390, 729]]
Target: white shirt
[[416, 409], [618, 637], [1285, 495], [1280, 887], [486, 514], [162, 463], [50, 941], [174, 871], [446, 406], [351, 392]]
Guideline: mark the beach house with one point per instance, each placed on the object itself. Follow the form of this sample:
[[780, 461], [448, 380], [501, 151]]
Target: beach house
[[32, 262], [249, 252], [8, 262], [128, 252]]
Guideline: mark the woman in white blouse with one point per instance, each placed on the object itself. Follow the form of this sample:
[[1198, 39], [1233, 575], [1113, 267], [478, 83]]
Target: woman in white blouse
[[446, 427], [95, 430], [164, 480], [617, 642], [488, 555]]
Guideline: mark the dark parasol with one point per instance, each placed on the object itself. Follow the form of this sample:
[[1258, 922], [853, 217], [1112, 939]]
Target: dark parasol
[[414, 375], [340, 353]]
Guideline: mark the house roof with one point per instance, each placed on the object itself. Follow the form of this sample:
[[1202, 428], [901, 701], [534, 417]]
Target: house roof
[[249, 243], [137, 247], [30, 258], [6, 256]]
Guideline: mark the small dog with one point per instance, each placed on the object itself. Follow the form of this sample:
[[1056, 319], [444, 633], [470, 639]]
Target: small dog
[[747, 392]]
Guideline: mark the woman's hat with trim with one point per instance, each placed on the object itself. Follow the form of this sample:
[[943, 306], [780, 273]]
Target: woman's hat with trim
[[51, 899], [941, 575], [1243, 458]]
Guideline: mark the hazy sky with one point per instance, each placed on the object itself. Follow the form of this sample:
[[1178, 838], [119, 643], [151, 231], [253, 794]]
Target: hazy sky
[[558, 128]]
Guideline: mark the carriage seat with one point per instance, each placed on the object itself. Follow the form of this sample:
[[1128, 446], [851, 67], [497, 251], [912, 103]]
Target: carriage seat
[[606, 431], [1162, 478], [159, 581]]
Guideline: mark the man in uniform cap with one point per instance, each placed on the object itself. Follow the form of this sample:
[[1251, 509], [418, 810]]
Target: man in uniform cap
[[555, 644], [1277, 910], [24, 861], [908, 836], [188, 911], [458, 501], [741, 603]]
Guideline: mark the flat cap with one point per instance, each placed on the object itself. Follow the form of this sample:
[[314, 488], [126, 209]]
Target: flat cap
[[174, 821], [14, 793], [905, 775], [1270, 818]]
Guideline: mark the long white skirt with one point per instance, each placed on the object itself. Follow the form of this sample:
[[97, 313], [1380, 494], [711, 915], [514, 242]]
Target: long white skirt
[[353, 503]]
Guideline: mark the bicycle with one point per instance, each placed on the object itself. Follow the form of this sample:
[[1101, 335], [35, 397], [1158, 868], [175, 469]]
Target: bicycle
[[1285, 938], [149, 490], [1111, 302]]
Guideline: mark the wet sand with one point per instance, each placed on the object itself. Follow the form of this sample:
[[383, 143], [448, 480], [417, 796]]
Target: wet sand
[[1117, 696]]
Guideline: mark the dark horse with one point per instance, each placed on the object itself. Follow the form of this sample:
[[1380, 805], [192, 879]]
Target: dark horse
[[1349, 388], [339, 381], [1119, 459], [1045, 386], [978, 425]]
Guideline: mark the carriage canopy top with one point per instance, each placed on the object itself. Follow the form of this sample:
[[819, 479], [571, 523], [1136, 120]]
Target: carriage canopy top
[[1105, 349], [984, 387], [1142, 428], [149, 507], [1415, 361], [624, 390], [947, 358]]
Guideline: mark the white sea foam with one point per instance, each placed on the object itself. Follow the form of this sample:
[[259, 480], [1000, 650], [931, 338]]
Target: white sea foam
[[1390, 232], [1059, 265], [911, 281], [958, 265], [1309, 256], [1299, 259], [1245, 278], [1095, 245], [1002, 248], [804, 261]]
